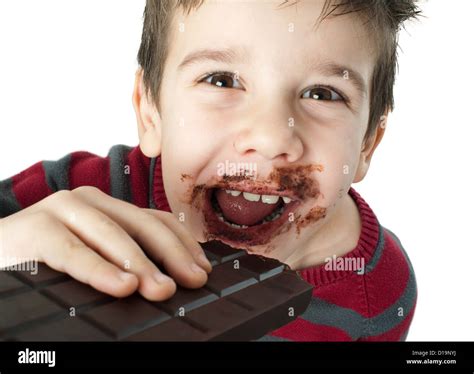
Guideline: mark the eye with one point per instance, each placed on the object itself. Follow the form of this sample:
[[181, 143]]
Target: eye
[[222, 80], [322, 93]]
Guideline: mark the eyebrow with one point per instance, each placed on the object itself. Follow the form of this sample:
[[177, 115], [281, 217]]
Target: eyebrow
[[233, 55], [227, 55], [332, 69]]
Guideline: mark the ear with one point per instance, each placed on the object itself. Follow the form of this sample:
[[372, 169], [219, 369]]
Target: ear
[[148, 119], [368, 148]]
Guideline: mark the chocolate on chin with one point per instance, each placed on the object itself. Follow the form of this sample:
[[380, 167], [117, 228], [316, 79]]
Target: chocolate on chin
[[246, 297]]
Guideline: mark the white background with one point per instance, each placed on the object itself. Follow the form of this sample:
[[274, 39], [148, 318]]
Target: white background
[[66, 79]]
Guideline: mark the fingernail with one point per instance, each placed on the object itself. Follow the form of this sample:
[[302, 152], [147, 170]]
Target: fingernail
[[161, 278], [125, 277], [197, 269], [203, 259]]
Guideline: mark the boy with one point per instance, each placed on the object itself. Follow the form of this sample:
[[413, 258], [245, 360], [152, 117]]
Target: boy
[[254, 120]]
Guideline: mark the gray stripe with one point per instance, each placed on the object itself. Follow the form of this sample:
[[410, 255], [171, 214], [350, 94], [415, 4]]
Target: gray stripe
[[325, 313], [269, 338], [378, 251], [119, 180], [151, 202], [8, 202], [57, 173], [353, 323]]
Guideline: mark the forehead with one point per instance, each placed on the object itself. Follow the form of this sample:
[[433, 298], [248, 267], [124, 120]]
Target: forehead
[[265, 31]]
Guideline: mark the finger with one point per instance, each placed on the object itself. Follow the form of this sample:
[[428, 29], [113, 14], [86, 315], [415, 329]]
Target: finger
[[185, 236], [63, 251], [159, 242], [113, 243]]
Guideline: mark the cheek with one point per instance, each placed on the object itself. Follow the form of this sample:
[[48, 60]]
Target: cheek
[[187, 150], [340, 159], [186, 141], [190, 127]]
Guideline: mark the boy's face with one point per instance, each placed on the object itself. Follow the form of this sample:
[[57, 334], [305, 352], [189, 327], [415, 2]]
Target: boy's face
[[290, 104]]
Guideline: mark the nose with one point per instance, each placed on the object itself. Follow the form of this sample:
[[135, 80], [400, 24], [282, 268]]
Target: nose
[[271, 136]]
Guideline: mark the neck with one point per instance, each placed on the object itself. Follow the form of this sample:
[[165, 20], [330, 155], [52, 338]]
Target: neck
[[337, 237]]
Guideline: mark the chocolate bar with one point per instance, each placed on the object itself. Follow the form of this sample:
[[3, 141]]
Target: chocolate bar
[[246, 297]]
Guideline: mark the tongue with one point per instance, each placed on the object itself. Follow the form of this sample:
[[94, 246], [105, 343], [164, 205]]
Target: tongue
[[238, 210]]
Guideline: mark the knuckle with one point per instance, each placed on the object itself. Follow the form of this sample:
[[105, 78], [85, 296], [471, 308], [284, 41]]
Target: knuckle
[[61, 197], [161, 214], [60, 259], [41, 222], [149, 213], [86, 190], [137, 261], [158, 214], [143, 224], [180, 251], [177, 255], [96, 267], [41, 217], [107, 224], [72, 246]]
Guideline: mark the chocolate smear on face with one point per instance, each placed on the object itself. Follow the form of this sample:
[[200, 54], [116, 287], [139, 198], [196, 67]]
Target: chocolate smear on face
[[314, 215], [296, 179], [184, 177], [197, 196]]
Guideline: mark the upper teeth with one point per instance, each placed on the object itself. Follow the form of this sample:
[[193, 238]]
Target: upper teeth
[[286, 199], [267, 199], [233, 193], [251, 196]]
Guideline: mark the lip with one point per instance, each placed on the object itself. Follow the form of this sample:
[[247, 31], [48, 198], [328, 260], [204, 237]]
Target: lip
[[252, 235]]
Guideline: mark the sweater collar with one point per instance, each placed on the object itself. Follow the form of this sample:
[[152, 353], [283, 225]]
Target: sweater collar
[[157, 197]]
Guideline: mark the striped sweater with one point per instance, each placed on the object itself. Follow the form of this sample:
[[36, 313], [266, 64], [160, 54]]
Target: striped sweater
[[377, 305]]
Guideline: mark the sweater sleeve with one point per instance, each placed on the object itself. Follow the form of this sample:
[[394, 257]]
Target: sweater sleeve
[[122, 174]]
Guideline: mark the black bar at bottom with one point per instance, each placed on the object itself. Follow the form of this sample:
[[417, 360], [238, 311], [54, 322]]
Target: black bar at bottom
[[242, 355]]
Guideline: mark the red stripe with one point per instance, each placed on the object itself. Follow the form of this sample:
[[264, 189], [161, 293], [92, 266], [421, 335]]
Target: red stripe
[[346, 293], [30, 185], [305, 331], [87, 169], [139, 172], [159, 195]]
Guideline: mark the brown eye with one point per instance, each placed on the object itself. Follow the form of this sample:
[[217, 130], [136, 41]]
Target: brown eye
[[222, 80], [322, 93]]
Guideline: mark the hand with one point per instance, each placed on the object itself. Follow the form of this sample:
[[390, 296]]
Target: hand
[[98, 240]]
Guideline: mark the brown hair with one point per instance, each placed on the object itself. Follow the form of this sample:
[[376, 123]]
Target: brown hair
[[382, 18]]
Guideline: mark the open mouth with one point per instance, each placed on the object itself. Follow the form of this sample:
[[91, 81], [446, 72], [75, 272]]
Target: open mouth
[[247, 217]]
